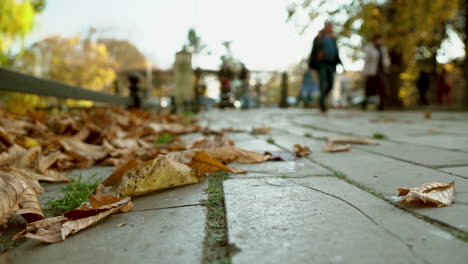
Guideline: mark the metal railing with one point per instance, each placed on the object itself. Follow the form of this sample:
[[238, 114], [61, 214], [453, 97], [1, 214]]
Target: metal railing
[[13, 81]]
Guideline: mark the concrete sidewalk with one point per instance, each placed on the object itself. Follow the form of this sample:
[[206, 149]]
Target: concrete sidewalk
[[327, 208]]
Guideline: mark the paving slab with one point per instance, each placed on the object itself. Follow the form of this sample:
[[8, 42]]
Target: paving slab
[[157, 236], [297, 168], [461, 171], [280, 221], [423, 155], [385, 175]]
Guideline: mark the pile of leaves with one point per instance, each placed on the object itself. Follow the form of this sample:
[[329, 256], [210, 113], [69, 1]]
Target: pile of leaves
[[144, 146]]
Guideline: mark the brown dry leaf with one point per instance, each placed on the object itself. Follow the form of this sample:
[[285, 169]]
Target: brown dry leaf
[[85, 150], [428, 114], [17, 197], [56, 229], [233, 154], [117, 175], [203, 163], [301, 151], [207, 143], [101, 200], [351, 140], [429, 194], [337, 148], [158, 174], [261, 130]]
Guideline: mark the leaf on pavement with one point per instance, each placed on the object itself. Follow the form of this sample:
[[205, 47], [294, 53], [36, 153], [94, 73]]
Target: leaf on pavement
[[229, 154], [17, 197], [429, 194], [117, 175], [301, 151], [158, 174], [207, 143], [56, 229], [260, 130], [351, 140], [283, 155], [337, 148], [203, 163]]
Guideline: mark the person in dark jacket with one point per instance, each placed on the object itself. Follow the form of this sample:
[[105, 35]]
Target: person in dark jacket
[[423, 83], [324, 57]]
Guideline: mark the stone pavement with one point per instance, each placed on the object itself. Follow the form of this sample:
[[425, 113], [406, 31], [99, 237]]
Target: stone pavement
[[327, 208]]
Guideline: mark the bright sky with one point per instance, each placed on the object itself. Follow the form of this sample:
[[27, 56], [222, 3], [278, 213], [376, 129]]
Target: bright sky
[[261, 37]]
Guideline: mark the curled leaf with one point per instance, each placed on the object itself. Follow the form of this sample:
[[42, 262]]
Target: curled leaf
[[158, 174], [56, 229], [429, 194], [301, 151], [351, 140], [261, 130], [337, 148], [203, 163], [17, 197], [229, 154]]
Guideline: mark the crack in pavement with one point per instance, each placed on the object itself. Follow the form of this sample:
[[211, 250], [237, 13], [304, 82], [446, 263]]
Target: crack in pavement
[[408, 245]]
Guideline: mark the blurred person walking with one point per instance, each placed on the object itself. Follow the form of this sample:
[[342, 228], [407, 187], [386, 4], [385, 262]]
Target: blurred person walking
[[443, 89], [376, 66], [244, 77], [423, 83], [324, 57]]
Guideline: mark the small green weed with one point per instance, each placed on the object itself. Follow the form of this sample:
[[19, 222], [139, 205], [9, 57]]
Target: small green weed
[[308, 135], [379, 136], [164, 138], [270, 141], [75, 193]]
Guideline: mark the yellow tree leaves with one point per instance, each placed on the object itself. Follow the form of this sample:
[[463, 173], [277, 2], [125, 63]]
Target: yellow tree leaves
[[18, 198]]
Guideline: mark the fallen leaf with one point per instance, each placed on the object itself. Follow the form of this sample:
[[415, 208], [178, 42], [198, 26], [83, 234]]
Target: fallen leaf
[[233, 154], [207, 143], [427, 115], [17, 197], [429, 194], [260, 130], [337, 148], [117, 175], [283, 155], [158, 174], [301, 151], [101, 200], [351, 140], [203, 163], [56, 229], [120, 225]]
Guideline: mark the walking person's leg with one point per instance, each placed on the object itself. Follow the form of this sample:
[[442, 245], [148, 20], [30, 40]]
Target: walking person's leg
[[323, 84]]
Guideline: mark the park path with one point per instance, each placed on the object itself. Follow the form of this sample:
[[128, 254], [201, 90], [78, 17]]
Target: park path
[[326, 208]]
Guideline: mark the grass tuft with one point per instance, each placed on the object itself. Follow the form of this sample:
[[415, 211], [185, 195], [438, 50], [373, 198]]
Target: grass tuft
[[164, 138], [74, 194], [379, 136], [270, 141]]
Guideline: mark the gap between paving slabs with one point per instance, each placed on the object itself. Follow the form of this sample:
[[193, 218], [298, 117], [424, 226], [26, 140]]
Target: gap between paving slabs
[[460, 234], [216, 248]]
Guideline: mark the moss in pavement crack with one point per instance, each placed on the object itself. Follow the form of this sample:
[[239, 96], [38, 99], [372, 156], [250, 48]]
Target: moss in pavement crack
[[216, 247]]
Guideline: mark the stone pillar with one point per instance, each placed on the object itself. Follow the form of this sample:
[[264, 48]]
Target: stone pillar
[[183, 78]]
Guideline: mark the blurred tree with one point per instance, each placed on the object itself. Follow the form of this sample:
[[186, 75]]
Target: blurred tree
[[413, 29], [124, 53], [195, 44], [16, 21], [84, 63]]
